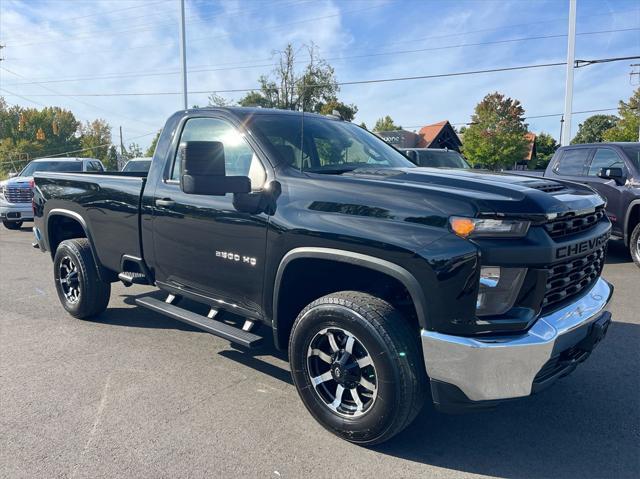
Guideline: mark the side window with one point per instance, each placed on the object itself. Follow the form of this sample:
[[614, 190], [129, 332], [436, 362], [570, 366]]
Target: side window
[[93, 166], [604, 158], [572, 162], [239, 158]]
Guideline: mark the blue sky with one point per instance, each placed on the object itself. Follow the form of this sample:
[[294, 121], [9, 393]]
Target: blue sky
[[106, 47]]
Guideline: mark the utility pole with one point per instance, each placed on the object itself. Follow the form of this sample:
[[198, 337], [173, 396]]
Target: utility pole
[[183, 55], [121, 145], [568, 93]]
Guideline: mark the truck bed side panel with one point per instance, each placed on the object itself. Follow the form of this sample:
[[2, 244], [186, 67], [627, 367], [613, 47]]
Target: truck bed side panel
[[109, 206]]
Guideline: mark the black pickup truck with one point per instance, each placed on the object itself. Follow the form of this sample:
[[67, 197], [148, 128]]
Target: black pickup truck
[[381, 278]]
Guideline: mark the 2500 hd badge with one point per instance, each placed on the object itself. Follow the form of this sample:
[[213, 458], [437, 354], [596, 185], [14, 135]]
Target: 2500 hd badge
[[582, 247]]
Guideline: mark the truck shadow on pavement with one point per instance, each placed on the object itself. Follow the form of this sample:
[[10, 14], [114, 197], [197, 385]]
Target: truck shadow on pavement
[[617, 253], [586, 425]]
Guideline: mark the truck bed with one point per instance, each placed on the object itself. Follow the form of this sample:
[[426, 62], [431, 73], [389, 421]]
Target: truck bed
[[107, 203]]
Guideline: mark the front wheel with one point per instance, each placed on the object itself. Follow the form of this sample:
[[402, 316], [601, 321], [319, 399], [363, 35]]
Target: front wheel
[[634, 245], [80, 290], [12, 225], [357, 367]]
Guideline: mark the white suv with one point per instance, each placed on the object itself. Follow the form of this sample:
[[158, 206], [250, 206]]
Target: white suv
[[15, 193]]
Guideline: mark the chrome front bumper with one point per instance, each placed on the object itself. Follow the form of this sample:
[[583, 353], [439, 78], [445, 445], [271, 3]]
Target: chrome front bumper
[[506, 366], [16, 211]]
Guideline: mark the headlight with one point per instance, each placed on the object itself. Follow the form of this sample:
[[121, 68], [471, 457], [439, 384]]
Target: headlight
[[499, 288], [478, 227]]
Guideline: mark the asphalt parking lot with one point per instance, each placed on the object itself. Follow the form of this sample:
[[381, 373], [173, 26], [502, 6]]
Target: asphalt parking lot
[[134, 394]]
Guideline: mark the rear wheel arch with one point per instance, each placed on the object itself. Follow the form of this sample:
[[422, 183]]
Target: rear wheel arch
[[300, 264], [65, 224]]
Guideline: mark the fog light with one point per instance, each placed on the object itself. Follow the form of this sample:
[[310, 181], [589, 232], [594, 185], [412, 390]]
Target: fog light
[[499, 288]]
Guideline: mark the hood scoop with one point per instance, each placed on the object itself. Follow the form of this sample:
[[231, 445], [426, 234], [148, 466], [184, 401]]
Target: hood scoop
[[546, 186]]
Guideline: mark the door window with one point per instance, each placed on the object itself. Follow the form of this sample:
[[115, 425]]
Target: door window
[[604, 158], [572, 162], [239, 158], [93, 166]]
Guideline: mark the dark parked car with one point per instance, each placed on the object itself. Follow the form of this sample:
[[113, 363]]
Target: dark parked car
[[435, 158], [137, 165], [379, 278], [613, 170]]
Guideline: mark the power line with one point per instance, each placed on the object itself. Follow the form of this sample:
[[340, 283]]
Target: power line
[[73, 97], [333, 59], [354, 82]]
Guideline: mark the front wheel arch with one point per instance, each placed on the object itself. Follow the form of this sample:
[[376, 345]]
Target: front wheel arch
[[283, 318]]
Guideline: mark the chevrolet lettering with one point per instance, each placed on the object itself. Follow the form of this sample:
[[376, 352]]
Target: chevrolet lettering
[[583, 247], [387, 284]]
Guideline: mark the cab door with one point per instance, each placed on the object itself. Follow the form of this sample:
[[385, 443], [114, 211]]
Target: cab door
[[609, 189], [202, 243]]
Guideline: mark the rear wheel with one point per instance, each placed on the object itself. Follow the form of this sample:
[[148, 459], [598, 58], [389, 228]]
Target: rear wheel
[[357, 367], [80, 290], [12, 225], [634, 245]]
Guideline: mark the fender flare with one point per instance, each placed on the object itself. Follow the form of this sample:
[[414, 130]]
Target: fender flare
[[383, 266], [627, 216], [102, 273]]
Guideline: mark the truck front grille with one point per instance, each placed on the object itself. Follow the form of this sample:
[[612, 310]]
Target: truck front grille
[[571, 224], [571, 277], [18, 194]]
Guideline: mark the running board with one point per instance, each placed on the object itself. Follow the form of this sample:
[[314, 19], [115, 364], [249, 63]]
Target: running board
[[217, 328]]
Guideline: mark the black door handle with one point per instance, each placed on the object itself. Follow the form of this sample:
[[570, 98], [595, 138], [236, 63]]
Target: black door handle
[[165, 202]]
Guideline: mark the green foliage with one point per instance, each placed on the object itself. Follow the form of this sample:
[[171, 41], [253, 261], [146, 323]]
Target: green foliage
[[152, 147], [347, 112], [111, 161], [496, 137], [627, 127], [26, 133], [593, 128], [134, 151], [364, 125], [95, 140], [546, 146], [314, 88], [386, 124]]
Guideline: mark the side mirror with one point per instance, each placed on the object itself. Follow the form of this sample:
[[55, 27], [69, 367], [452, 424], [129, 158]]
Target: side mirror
[[13, 174], [615, 174], [204, 173], [412, 155]]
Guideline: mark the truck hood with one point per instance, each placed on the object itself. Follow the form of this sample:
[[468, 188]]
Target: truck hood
[[488, 192]]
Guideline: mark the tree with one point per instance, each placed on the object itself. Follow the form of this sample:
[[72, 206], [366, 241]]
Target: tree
[[496, 137], [314, 88], [386, 124], [546, 146], [347, 112], [134, 151], [593, 128], [152, 147], [26, 133], [627, 127], [111, 161], [96, 139]]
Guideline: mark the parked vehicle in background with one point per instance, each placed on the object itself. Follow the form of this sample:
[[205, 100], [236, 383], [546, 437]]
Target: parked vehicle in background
[[137, 165], [15, 193], [435, 158], [613, 170], [376, 275]]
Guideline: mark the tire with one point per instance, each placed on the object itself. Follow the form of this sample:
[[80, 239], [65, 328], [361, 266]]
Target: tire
[[634, 245], [12, 225], [80, 290], [394, 383]]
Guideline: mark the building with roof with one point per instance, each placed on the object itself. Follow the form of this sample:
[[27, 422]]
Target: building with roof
[[436, 135]]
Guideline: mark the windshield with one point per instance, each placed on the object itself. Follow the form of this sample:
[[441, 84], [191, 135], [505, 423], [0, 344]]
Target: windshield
[[137, 166], [67, 166], [330, 146], [633, 153], [441, 159]]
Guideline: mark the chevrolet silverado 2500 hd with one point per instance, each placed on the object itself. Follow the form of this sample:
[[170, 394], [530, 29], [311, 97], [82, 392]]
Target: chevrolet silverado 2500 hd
[[381, 278]]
